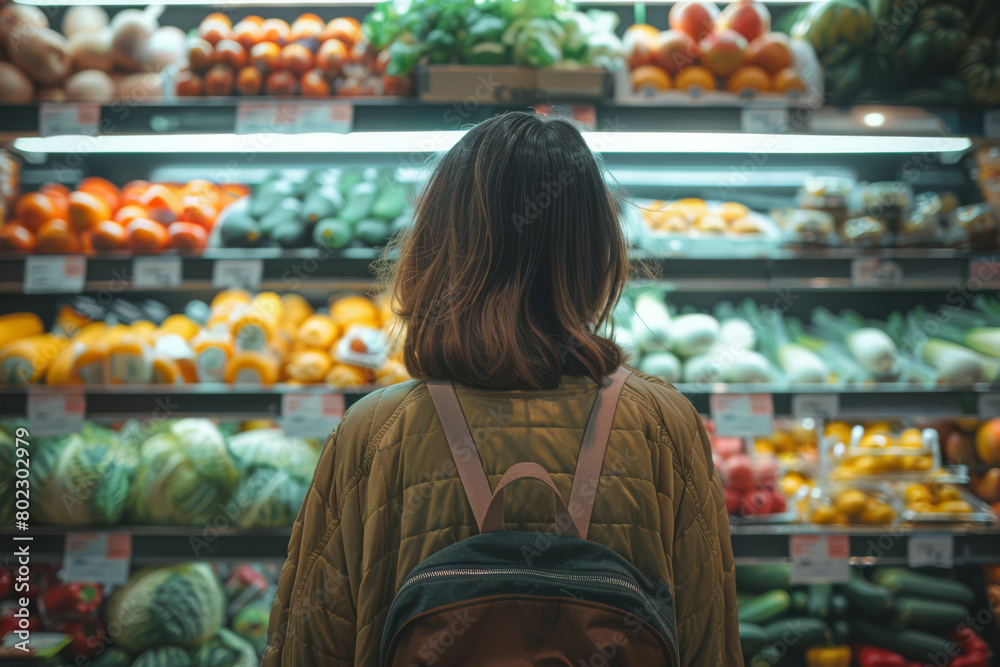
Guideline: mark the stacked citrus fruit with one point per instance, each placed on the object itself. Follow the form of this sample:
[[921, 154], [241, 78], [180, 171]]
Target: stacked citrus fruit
[[98, 216], [309, 57]]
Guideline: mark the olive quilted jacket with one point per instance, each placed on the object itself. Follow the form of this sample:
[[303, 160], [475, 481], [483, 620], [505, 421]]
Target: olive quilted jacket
[[386, 495]]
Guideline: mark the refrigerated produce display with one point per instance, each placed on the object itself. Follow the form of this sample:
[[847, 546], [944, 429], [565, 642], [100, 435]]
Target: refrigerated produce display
[[196, 199]]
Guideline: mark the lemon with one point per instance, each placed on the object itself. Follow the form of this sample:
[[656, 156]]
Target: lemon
[[954, 507], [851, 502], [917, 493], [911, 438], [824, 515]]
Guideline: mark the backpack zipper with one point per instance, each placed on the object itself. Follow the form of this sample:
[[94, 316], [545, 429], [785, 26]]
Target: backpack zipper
[[604, 579]]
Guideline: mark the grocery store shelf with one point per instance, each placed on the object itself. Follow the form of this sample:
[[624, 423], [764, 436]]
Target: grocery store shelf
[[925, 270], [222, 401], [219, 115], [882, 545], [158, 544]]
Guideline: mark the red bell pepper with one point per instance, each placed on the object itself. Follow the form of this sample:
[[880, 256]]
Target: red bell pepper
[[6, 583], [246, 583], [975, 659], [969, 641], [873, 656], [86, 636], [71, 599]]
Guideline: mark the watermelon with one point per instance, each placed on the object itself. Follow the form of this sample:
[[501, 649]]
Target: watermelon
[[837, 29], [226, 649], [182, 605], [979, 68], [947, 29], [251, 623], [113, 657], [163, 656], [892, 20]]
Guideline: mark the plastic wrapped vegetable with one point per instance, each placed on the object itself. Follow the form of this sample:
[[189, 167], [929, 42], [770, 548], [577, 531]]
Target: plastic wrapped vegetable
[[184, 475], [81, 479], [182, 605]]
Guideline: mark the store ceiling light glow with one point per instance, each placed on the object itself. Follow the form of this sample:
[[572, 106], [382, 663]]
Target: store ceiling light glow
[[434, 141]]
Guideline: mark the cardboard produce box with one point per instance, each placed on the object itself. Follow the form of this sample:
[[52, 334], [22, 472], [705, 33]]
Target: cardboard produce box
[[501, 84]]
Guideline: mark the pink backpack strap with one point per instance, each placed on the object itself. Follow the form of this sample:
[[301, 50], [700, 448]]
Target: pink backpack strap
[[487, 505]]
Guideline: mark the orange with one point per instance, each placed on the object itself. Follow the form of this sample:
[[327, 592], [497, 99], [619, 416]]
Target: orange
[[296, 58], [649, 76], [788, 79], [343, 29], [749, 77], [354, 310], [57, 237], [331, 57], [132, 191], [199, 213], [265, 56], [35, 209], [59, 194], [199, 191], [102, 188], [161, 202], [313, 84], [695, 77], [127, 214], [86, 210], [108, 235], [146, 236], [274, 30], [307, 26], [16, 237]]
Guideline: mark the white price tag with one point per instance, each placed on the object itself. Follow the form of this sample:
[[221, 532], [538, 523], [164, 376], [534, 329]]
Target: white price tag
[[930, 551], [99, 558], [64, 274], [764, 121], [156, 272], [989, 406], [324, 116], [991, 123], [311, 415], [56, 118], [237, 273], [56, 414], [874, 272], [743, 415], [985, 269], [820, 559], [824, 406], [265, 116]]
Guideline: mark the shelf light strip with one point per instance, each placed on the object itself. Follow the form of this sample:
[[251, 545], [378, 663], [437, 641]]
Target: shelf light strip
[[431, 142]]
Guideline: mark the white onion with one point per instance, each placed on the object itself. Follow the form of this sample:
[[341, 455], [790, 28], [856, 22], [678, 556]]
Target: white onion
[[92, 50], [90, 85], [167, 46], [131, 30], [84, 19], [15, 85]]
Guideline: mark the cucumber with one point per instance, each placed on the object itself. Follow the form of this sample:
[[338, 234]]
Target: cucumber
[[901, 581], [868, 599], [752, 638], [742, 598], [839, 606], [766, 607], [932, 615], [800, 600], [763, 578], [911, 644], [800, 632], [818, 605]]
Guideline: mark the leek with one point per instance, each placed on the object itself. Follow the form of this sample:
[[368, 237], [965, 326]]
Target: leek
[[734, 330], [990, 308], [692, 335], [662, 365], [842, 367], [799, 364], [650, 322], [956, 365], [870, 347]]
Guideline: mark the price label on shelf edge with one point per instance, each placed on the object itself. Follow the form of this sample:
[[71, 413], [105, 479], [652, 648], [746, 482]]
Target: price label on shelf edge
[[65, 274], [101, 558], [56, 118], [989, 406], [56, 414], [311, 415], [324, 116], [930, 550], [743, 415], [874, 272], [255, 117], [156, 272], [237, 273], [823, 406], [819, 559], [764, 121]]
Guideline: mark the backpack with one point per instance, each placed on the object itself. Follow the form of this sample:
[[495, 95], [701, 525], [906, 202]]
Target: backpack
[[516, 598]]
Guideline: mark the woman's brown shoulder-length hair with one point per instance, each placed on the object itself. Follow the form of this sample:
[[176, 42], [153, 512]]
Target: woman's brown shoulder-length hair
[[515, 258]]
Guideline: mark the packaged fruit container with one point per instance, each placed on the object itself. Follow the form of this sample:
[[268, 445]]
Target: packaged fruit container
[[709, 228], [750, 484], [937, 503], [876, 452], [857, 503]]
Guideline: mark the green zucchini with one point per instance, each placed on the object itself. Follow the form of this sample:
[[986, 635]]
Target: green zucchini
[[800, 600], [932, 615], [763, 578], [766, 607], [868, 599], [752, 638], [901, 581], [818, 605], [839, 606], [800, 632], [743, 598], [911, 644]]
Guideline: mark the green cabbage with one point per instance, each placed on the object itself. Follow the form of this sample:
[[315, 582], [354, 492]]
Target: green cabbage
[[185, 475], [226, 649], [182, 605], [269, 498], [163, 656], [270, 447], [80, 479]]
